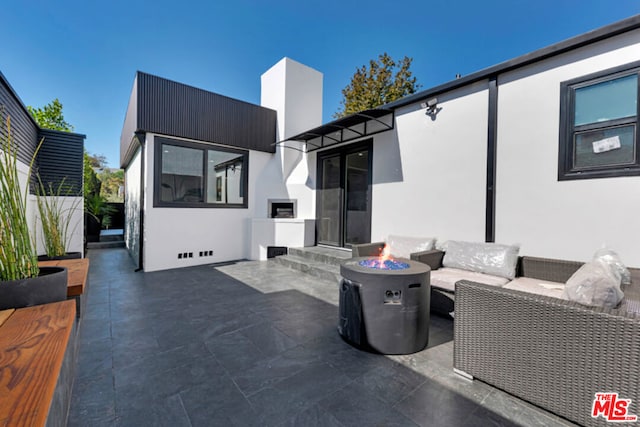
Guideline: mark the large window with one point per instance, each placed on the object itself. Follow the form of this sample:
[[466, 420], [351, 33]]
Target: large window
[[599, 125], [199, 175]]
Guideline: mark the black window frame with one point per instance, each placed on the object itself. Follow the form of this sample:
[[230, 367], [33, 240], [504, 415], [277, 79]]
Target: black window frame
[[568, 130], [157, 174]]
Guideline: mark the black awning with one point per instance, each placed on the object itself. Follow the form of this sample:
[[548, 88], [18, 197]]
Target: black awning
[[358, 125]]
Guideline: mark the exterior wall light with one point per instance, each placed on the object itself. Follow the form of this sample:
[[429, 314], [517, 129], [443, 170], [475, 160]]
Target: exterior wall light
[[432, 107]]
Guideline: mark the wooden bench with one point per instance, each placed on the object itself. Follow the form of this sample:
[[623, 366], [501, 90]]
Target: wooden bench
[[77, 274], [37, 364], [5, 314]]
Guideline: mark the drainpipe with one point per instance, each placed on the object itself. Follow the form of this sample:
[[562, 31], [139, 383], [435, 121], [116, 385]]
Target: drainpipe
[[492, 143], [141, 137]]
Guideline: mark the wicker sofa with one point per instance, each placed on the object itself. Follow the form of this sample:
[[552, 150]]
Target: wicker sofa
[[551, 352], [554, 353], [442, 300], [551, 270]]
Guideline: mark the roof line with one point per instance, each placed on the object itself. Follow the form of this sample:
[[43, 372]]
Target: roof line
[[26, 110], [63, 132], [15, 95], [203, 90], [602, 33]]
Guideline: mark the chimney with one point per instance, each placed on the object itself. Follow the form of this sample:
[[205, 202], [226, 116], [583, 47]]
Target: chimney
[[294, 90]]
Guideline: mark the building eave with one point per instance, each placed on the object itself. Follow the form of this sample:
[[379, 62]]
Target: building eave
[[591, 37]]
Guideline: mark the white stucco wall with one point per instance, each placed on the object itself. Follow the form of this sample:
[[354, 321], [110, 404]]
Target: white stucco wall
[[132, 206], [568, 219], [270, 183], [300, 172], [429, 175], [73, 206], [287, 174], [225, 231]]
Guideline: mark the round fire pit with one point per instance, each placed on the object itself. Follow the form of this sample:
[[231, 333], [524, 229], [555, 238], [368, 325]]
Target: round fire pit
[[384, 304]]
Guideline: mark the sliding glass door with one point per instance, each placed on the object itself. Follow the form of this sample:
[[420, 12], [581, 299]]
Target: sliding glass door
[[344, 196]]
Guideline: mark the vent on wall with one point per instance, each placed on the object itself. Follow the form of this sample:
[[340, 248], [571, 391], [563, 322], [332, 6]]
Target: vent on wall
[[274, 251], [185, 255]]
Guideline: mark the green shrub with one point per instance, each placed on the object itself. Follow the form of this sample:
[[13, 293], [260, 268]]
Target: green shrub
[[55, 218], [18, 253]]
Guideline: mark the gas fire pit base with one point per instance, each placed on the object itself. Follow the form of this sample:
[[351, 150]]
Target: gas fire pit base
[[385, 310]]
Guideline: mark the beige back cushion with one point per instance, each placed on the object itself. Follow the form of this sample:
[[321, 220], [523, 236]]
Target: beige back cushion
[[488, 258], [403, 247]]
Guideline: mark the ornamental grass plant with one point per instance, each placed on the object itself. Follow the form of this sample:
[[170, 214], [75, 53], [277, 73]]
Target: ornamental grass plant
[[18, 253], [55, 217]]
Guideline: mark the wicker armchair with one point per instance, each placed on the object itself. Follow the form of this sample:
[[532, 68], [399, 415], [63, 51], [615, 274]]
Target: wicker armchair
[[553, 353], [404, 244], [367, 249]]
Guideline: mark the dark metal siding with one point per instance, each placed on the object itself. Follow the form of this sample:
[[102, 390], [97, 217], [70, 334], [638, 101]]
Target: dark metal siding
[[61, 154], [23, 128], [171, 108], [61, 157], [128, 146]]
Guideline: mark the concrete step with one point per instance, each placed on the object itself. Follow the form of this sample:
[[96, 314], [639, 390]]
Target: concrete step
[[321, 254], [105, 245], [318, 269], [115, 235], [112, 238]]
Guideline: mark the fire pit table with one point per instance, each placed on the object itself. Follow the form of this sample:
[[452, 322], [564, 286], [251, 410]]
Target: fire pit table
[[384, 304]]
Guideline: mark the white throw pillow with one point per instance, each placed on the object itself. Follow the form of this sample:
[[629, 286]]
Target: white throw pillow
[[488, 258], [403, 247], [612, 259], [594, 284]]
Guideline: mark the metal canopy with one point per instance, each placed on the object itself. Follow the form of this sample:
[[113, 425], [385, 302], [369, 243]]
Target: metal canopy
[[358, 125]]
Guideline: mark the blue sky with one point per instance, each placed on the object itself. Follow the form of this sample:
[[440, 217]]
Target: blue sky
[[86, 53]]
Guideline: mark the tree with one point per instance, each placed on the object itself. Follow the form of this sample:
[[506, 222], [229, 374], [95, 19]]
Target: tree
[[50, 116], [91, 181], [97, 161], [112, 180], [384, 81]]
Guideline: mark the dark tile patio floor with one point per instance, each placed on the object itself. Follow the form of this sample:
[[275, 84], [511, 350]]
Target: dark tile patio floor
[[255, 344]]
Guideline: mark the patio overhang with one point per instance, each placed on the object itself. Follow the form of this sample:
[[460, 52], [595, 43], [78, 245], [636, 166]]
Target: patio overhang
[[345, 129]]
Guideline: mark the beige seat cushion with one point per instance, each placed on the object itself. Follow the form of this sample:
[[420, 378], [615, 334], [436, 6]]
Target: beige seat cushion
[[536, 286], [446, 278]]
